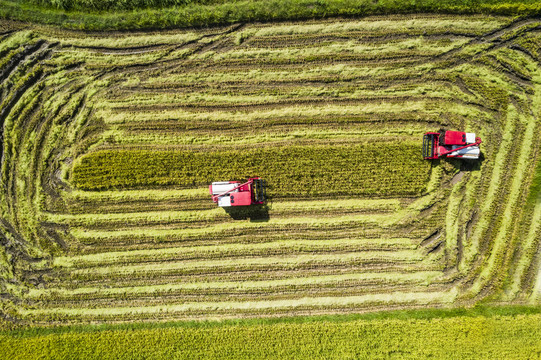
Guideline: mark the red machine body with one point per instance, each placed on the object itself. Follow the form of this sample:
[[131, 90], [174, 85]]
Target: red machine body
[[452, 144], [235, 193]]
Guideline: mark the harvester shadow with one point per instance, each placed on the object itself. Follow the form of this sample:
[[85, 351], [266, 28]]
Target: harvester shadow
[[467, 165], [255, 213]]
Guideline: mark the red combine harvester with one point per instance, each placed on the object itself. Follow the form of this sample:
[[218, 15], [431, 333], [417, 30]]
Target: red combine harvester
[[453, 144], [235, 193]]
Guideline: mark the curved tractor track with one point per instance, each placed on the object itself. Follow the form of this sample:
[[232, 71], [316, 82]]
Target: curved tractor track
[[110, 140]]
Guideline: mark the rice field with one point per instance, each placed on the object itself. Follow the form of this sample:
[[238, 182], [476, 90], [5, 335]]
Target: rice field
[[111, 140]]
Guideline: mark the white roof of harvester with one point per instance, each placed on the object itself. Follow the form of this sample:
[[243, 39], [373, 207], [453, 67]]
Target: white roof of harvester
[[470, 138], [220, 187]]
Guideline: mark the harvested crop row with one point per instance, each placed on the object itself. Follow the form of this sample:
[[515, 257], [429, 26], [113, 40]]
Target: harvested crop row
[[164, 289], [272, 294], [184, 310], [229, 250], [278, 210], [251, 235]]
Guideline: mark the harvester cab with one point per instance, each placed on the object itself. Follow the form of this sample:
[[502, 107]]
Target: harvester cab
[[452, 144], [235, 193]]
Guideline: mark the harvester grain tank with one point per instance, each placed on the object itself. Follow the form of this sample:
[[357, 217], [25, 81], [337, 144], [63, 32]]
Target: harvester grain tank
[[451, 144], [235, 193]]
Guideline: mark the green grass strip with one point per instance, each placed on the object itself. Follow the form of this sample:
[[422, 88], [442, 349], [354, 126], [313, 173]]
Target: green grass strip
[[259, 76], [229, 12], [123, 137], [486, 311], [135, 116], [501, 239], [412, 47], [473, 243], [505, 337], [532, 239], [269, 96], [378, 25], [530, 243], [534, 197], [137, 195], [534, 201]]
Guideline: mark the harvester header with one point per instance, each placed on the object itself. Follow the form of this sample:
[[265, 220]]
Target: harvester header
[[452, 144], [235, 193]]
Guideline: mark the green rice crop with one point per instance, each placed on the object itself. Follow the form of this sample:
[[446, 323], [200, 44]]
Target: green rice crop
[[291, 171]]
